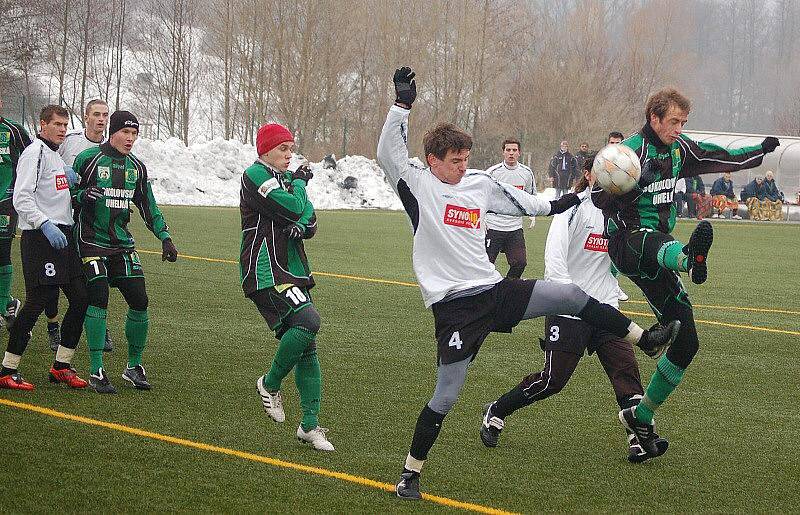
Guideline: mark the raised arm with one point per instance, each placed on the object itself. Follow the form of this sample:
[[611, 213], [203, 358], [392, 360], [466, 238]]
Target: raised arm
[[702, 158], [505, 199], [393, 143]]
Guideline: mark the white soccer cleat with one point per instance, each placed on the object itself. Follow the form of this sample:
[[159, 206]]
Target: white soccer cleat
[[315, 437], [273, 403], [621, 295]]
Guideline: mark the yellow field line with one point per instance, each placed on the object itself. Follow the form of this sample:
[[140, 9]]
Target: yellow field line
[[363, 481], [403, 283]]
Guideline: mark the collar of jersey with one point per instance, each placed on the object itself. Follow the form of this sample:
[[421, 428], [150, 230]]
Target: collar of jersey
[[52, 146], [653, 138], [111, 151]]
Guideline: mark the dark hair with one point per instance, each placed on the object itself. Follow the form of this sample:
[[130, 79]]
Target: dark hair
[[511, 141], [444, 137], [615, 134], [92, 103], [660, 102], [48, 112], [582, 183]]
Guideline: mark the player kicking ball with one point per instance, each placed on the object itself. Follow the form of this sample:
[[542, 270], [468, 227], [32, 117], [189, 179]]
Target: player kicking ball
[[469, 298], [638, 225]]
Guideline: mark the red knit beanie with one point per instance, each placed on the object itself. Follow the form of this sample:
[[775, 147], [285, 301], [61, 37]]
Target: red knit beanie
[[270, 136]]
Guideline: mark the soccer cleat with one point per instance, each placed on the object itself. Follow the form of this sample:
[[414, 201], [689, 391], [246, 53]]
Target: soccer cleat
[[697, 252], [659, 338], [316, 437], [100, 383], [68, 376], [652, 444], [11, 312], [737, 217], [621, 295], [108, 346], [491, 426], [408, 487], [273, 403], [635, 452], [15, 382], [715, 215], [54, 336], [137, 377]]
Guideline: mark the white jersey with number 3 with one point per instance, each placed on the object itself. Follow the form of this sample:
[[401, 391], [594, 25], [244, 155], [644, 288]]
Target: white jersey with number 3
[[576, 252], [449, 253]]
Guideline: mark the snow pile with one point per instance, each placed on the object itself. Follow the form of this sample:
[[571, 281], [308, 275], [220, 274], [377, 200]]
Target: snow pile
[[208, 173]]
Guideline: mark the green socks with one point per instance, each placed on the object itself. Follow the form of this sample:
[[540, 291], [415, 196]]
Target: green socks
[[671, 256], [95, 326], [308, 378], [136, 327], [665, 379], [293, 343], [6, 278]]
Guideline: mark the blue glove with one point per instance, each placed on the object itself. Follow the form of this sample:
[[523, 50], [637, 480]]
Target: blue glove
[[72, 177], [54, 235]]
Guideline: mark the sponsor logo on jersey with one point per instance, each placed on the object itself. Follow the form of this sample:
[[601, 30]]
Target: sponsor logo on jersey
[[457, 216], [118, 198], [596, 243], [4, 221], [519, 187], [131, 174], [5, 138], [61, 182], [103, 172], [268, 186], [5, 150]]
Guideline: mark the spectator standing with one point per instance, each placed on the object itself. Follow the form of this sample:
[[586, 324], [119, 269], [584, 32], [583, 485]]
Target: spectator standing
[[563, 170], [580, 157]]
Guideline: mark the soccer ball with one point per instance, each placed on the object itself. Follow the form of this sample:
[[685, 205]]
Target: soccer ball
[[616, 169]]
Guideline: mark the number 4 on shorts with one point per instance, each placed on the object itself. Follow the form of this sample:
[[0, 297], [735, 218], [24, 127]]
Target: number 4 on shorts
[[455, 341]]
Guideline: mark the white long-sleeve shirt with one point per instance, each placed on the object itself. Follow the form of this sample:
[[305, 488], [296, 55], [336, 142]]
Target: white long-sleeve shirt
[[449, 253], [521, 177], [41, 192], [576, 252], [74, 143]]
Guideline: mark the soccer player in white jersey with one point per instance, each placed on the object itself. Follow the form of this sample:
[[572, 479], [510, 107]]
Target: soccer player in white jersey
[[614, 138], [469, 298], [504, 233], [95, 121], [576, 252]]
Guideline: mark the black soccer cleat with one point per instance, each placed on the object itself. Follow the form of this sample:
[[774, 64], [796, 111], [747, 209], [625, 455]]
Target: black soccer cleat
[[652, 444], [697, 251], [635, 452], [491, 426], [408, 487], [137, 377], [99, 382], [658, 338]]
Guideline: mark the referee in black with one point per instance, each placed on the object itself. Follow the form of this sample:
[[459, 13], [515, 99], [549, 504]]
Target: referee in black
[[49, 255]]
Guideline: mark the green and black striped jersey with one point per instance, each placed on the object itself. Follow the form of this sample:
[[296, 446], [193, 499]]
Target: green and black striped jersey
[[13, 140], [101, 227], [270, 202], [652, 207]]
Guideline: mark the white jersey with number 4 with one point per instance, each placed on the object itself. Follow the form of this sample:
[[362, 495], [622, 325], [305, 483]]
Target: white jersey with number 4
[[519, 176], [75, 142], [449, 253], [576, 251]]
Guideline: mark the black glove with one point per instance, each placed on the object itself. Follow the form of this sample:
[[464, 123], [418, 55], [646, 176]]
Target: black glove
[[405, 86], [294, 231], [564, 203], [303, 173], [648, 175], [769, 144], [168, 251], [92, 195]]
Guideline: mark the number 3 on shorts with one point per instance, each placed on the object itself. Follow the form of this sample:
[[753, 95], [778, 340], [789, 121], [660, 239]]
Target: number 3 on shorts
[[553, 333]]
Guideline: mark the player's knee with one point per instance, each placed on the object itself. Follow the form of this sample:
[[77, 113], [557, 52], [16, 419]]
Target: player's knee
[[97, 293], [516, 269], [443, 402], [139, 302], [574, 299], [307, 319]]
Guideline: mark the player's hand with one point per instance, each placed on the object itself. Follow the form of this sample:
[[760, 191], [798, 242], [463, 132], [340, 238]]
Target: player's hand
[[405, 86], [303, 173], [168, 251], [648, 175], [769, 144], [564, 203], [54, 235], [72, 177], [92, 195], [294, 231]]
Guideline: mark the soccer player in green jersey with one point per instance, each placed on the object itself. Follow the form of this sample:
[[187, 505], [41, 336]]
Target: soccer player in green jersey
[[638, 224], [276, 217], [13, 140], [111, 178]]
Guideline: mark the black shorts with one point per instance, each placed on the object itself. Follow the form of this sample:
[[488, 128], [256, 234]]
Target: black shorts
[[113, 268], [463, 324], [573, 335], [42, 265], [504, 241], [278, 302], [8, 219]]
